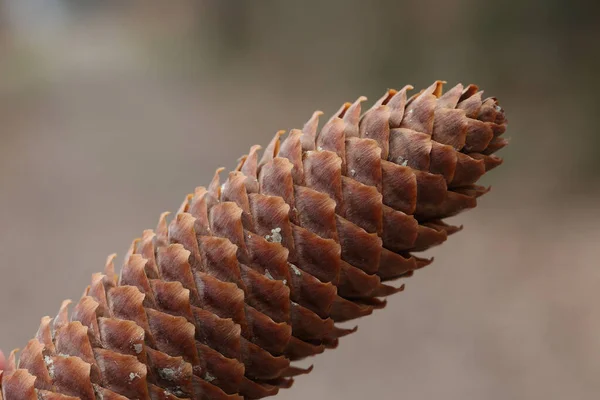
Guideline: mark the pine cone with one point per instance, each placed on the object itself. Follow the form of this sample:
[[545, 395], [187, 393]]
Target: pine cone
[[253, 274]]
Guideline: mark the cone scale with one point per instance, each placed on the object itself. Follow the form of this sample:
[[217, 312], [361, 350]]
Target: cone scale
[[255, 271]]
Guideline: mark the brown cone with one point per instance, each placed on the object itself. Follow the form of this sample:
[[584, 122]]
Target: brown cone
[[254, 273]]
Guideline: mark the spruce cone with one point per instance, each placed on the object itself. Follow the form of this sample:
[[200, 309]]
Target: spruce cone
[[253, 274]]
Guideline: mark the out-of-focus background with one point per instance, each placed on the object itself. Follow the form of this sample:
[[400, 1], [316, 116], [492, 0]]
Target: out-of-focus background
[[111, 112]]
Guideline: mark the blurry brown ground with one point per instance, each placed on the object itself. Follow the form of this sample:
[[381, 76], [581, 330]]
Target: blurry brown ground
[[110, 115]]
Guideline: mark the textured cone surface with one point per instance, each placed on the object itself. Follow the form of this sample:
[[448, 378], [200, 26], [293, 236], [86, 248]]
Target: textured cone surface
[[254, 273]]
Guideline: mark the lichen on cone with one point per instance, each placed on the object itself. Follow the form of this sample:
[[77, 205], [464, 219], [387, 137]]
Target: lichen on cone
[[254, 273]]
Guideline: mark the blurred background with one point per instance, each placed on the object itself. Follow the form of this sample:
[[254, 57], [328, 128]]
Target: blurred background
[[111, 112]]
